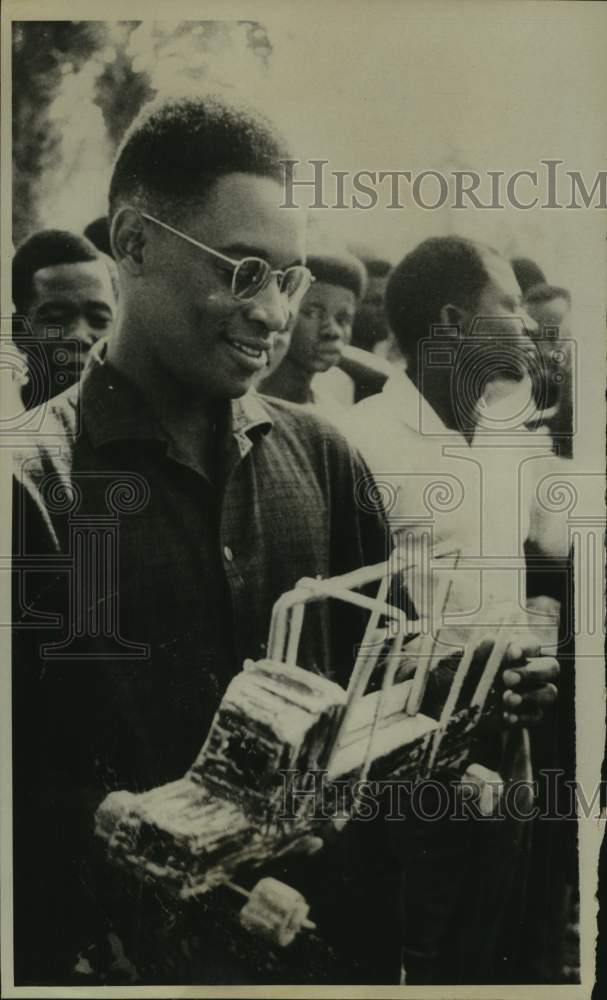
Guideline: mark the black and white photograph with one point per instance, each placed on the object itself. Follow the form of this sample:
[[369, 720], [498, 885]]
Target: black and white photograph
[[302, 462]]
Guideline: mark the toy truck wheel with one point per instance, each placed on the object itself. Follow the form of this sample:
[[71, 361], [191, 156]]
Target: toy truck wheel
[[275, 911]]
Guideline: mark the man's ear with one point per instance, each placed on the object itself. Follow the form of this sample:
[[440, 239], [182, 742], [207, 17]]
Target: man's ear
[[453, 316], [127, 236]]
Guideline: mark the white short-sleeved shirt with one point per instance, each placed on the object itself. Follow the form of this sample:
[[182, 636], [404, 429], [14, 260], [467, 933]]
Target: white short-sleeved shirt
[[478, 500]]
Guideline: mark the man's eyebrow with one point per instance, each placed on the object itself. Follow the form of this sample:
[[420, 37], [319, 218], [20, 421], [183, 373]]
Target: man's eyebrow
[[55, 304], [69, 304]]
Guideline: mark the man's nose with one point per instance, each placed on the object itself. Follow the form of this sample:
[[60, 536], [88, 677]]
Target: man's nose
[[330, 328], [84, 332], [529, 348], [270, 307], [529, 323]]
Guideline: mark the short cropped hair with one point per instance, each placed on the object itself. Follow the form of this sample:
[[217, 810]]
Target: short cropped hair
[[376, 267], [441, 270], [177, 148], [527, 273], [344, 270], [47, 248], [98, 232], [541, 293]]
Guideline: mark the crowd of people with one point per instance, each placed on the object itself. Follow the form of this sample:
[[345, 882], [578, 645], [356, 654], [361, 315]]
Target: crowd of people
[[243, 384]]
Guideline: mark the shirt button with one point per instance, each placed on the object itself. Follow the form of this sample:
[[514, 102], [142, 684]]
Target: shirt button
[[229, 555]]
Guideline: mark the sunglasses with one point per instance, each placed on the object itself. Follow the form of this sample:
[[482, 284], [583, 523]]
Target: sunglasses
[[252, 274]]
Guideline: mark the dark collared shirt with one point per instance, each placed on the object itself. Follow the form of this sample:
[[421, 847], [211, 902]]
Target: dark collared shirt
[[163, 580]]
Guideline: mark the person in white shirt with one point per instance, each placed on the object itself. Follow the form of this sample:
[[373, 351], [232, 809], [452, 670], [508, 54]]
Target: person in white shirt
[[453, 462], [446, 438]]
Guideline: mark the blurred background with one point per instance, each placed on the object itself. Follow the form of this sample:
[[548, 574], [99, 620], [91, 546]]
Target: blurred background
[[400, 87], [384, 86]]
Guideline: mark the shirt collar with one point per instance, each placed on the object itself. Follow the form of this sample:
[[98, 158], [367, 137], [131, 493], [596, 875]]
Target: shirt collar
[[113, 411], [405, 399], [250, 418], [413, 409]]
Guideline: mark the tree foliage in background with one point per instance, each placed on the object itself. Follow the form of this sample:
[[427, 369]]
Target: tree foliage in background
[[121, 89], [77, 85], [41, 51]]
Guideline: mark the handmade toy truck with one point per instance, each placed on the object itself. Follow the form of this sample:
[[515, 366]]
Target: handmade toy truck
[[227, 814]]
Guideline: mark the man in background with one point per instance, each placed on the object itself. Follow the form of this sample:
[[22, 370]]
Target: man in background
[[368, 358], [455, 308], [65, 296], [322, 329], [550, 308], [370, 327]]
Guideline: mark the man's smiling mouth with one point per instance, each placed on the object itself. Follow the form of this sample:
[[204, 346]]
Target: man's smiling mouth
[[250, 352], [253, 358]]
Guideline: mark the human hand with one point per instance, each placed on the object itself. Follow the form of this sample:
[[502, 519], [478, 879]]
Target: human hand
[[528, 681]]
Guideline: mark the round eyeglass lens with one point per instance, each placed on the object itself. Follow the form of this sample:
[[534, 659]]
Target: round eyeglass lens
[[250, 277], [295, 281]]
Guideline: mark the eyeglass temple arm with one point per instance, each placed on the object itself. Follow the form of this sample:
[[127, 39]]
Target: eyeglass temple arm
[[190, 239], [202, 246]]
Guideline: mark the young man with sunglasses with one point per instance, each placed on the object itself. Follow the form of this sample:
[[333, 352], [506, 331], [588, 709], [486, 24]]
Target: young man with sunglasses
[[166, 509]]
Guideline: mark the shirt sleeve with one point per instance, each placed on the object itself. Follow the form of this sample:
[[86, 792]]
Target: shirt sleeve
[[54, 797], [359, 537]]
